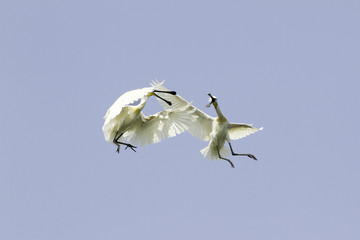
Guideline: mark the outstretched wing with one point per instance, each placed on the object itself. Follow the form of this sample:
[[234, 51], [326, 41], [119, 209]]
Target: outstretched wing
[[240, 130], [201, 127], [126, 99], [157, 127]]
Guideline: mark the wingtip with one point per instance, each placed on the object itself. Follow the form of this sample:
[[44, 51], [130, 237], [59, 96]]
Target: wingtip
[[155, 82]]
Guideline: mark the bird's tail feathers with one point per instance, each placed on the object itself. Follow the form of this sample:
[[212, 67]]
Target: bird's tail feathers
[[212, 154], [106, 133], [109, 132]]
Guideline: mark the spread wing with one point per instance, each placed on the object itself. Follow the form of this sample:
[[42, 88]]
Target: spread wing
[[155, 128], [126, 99], [201, 127], [110, 127], [240, 130]]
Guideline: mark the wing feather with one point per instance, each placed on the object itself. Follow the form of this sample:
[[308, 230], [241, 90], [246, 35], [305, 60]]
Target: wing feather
[[201, 127], [240, 130], [128, 98], [155, 128]]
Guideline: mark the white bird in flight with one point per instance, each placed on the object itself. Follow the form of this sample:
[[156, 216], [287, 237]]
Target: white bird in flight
[[126, 122], [215, 130]]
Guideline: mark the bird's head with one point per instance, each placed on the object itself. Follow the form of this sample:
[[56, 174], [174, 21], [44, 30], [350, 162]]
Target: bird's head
[[212, 100], [150, 94]]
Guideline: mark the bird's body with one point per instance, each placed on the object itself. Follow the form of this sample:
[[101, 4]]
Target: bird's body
[[218, 136], [125, 122], [216, 130]]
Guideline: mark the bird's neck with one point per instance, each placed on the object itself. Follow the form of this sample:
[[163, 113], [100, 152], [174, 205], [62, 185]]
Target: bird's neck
[[142, 103], [217, 109]]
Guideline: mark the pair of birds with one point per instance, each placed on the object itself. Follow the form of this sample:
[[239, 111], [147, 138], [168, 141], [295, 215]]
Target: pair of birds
[[125, 122]]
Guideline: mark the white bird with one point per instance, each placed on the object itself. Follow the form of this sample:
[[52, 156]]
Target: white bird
[[126, 122], [215, 130]]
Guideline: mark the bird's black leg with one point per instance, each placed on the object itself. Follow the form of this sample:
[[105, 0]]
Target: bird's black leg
[[130, 146], [241, 154], [232, 165], [117, 143]]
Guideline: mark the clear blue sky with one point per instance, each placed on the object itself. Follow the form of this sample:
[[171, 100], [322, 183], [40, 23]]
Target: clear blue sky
[[289, 66]]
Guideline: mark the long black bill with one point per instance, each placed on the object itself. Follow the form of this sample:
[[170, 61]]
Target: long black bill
[[169, 92], [211, 101]]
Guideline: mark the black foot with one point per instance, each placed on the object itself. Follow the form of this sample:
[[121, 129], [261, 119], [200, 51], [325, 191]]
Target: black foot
[[251, 156], [131, 146], [232, 165]]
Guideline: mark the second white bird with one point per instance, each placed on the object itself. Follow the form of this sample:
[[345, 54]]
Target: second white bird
[[215, 130]]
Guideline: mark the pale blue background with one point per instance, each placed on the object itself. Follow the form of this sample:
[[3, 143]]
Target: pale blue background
[[289, 66]]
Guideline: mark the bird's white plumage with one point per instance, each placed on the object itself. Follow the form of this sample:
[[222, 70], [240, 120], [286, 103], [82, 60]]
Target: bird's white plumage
[[240, 130], [210, 152], [164, 124]]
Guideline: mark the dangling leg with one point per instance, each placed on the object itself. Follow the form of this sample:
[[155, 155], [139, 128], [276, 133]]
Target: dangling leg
[[169, 92], [232, 165], [117, 143], [241, 154]]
